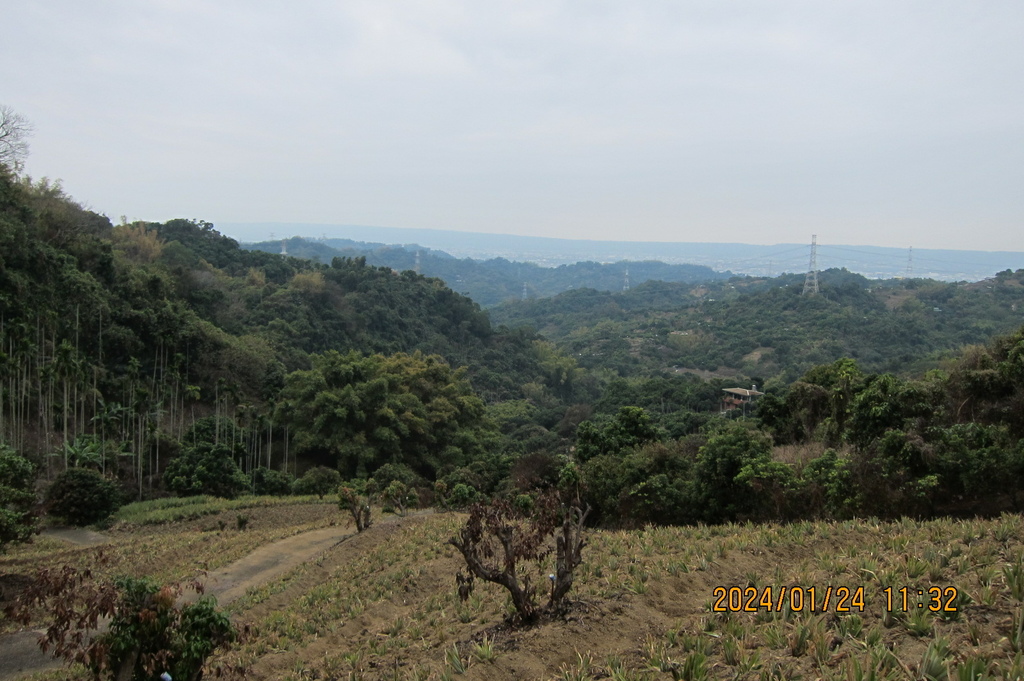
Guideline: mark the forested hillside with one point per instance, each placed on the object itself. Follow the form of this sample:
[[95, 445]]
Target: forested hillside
[[162, 358], [765, 329], [123, 346], [838, 443], [489, 282]]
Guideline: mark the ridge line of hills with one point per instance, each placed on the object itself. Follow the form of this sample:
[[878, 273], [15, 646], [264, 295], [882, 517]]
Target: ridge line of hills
[[691, 319], [496, 280], [877, 262]]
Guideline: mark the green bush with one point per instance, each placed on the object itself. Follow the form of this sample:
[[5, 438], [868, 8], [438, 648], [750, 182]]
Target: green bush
[[828, 486], [269, 482], [463, 495], [390, 472], [17, 523], [733, 458], [80, 496], [319, 481], [148, 630], [206, 469], [524, 504]]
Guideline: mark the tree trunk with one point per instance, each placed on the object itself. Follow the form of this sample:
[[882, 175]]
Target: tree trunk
[[522, 595], [568, 547]]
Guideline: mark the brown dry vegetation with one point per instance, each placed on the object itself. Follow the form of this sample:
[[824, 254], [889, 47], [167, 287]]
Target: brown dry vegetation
[[383, 604], [176, 551], [798, 454]]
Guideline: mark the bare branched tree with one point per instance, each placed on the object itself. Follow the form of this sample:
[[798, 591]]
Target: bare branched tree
[[14, 131], [498, 539]]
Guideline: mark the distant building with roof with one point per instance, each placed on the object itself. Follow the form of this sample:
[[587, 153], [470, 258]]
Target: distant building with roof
[[738, 398]]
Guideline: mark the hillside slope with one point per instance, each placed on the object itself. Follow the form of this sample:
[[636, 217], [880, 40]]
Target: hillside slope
[[116, 339], [765, 329]]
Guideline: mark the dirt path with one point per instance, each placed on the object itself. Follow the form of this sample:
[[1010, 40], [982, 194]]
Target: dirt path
[[269, 562], [20, 654]]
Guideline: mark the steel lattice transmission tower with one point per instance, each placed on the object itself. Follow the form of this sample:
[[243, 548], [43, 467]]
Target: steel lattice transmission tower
[[811, 280]]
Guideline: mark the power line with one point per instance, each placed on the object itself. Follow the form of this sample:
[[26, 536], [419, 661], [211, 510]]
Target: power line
[[842, 261], [765, 255], [918, 258]]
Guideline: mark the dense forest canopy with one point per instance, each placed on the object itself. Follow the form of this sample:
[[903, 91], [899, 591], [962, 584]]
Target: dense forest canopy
[[766, 328]]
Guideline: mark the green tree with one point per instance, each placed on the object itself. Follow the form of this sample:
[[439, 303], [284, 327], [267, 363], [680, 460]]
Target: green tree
[[319, 480], [815, 407], [401, 409], [148, 634], [462, 495], [650, 484], [630, 428], [886, 403], [206, 468], [987, 383], [979, 461], [726, 469], [269, 481], [391, 472], [399, 495], [17, 522], [357, 502], [828, 486]]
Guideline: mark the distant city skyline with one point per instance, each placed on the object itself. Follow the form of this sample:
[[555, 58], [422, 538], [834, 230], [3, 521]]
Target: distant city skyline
[[866, 122]]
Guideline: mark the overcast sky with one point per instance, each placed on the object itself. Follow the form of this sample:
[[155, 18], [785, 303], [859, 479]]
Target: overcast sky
[[866, 122]]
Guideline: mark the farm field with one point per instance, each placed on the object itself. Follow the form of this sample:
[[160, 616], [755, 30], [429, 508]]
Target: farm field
[[383, 604]]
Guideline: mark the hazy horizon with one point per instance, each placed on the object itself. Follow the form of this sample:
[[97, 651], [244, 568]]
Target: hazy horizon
[[754, 259], [261, 231]]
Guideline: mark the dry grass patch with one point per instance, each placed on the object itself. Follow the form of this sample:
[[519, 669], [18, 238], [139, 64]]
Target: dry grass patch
[[169, 552], [644, 607], [383, 605]]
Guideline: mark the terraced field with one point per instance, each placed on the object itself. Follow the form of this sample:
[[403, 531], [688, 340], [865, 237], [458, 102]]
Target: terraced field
[[383, 604]]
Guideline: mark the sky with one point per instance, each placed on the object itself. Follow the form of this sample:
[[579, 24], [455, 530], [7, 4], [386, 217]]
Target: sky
[[864, 122]]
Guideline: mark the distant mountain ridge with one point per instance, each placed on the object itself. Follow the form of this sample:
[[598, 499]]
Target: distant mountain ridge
[[876, 262], [497, 280]]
